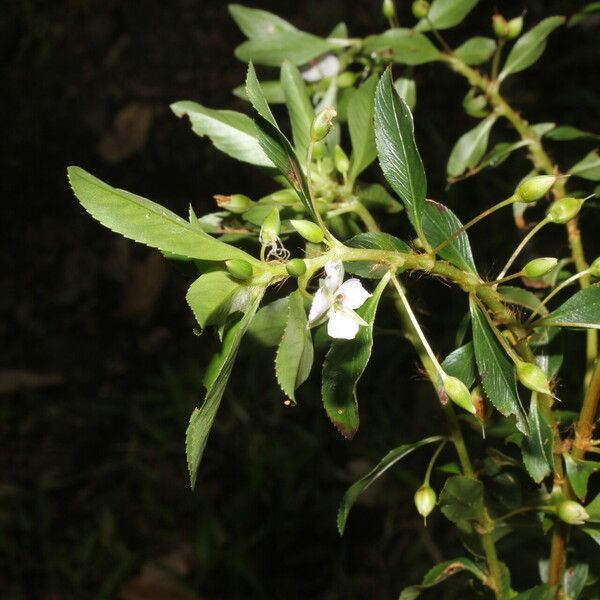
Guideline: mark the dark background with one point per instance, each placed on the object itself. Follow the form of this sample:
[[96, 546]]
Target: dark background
[[100, 368]]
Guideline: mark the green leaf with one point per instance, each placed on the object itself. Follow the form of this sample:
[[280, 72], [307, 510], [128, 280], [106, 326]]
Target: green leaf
[[566, 133], [299, 107], [256, 23], [589, 9], [231, 132], [269, 323], [521, 297], [575, 579], [375, 197], [146, 222], [295, 354], [373, 241], [360, 124], [398, 155], [444, 14], [538, 448], [272, 91], [588, 167], [344, 365], [593, 509], [470, 148], [497, 372], [593, 531], [215, 381], [388, 461], [440, 573], [477, 50], [529, 47], [539, 592], [214, 295], [542, 129], [582, 310], [407, 90], [439, 223], [579, 472], [257, 98], [296, 46], [461, 363], [461, 499], [406, 45]]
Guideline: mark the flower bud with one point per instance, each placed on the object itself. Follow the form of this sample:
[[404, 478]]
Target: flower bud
[[341, 160], [499, 25], [515, 26], [535, 188], [296, 267], [346, 79], [269, 232], [563, 210], [308, 230], [459, 393], [538, 267], [388, 9], [420, 8], [236, 203], [533, 378], [322, 124], [594, 268], [425, 499], [475, 105], [239, 268], [572, 512]]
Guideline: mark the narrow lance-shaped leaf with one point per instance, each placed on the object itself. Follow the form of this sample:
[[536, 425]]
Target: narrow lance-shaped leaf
[[477, 50], [406, 45], [360, 124], [299, 107], [582, 310], [231, 132], [470, 148], [529, 47], [398, 155], [444, 14], [344, 365], [407, 90], [497, 372], [440, 573], [146, 222], [295, 354], [588, 167], [566, 133], [215, 381], [537, 449], [256, 23], [388, 461], [439, 223]]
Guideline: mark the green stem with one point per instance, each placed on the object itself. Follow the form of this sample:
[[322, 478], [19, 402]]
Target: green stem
[[496, 61], [432, 462], [313, 202]]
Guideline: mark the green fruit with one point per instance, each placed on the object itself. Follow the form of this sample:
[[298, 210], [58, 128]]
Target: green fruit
[[296, 267], [459, 393], [236, 203], [341, 160], [563, 210], [515, 26], [308, 230], [388, 9], [322, 124], [425, 499], [269, 232], [239, 268], [420, 9], [533, 378], [572, 512], [319, 150], [538, 267], [535, 188], [346, 79], [500, 26]]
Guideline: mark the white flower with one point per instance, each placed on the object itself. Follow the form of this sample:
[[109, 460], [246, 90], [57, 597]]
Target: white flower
[[328, 66], [337, 300]]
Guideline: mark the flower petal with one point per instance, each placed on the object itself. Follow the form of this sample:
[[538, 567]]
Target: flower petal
[[320, 305], [353, 294], [334, 271], [326, 67], [342, 326]]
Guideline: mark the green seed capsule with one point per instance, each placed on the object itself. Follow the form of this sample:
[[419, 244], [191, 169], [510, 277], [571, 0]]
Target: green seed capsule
[[341, 160], [563, 210], [388, 9], [322, 124], [515, 26], [308, 230], [239, 268], [459, 393], [269, 232], [572, 512], [420, 9], [595, 268], [236, 203], [533, 378], [538, 267], [296, 267], [425, 499], [500, 26], [319, 150], [535, 188]]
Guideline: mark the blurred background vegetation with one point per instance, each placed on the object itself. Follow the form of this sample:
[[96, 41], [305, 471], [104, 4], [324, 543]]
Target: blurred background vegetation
[[100, 368]]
